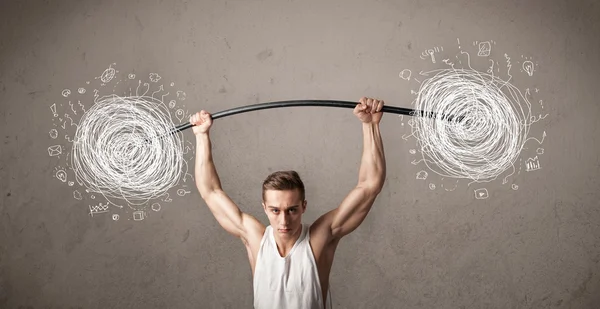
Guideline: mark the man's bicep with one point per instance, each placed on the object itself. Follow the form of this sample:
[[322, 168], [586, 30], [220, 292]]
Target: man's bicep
[[352, 211], [227, 213]]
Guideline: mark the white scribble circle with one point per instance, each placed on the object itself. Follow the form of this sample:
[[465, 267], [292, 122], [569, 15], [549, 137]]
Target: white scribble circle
[[115, 152], [488, 140]]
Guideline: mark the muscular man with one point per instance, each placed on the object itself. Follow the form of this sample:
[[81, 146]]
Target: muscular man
[[291, 261]]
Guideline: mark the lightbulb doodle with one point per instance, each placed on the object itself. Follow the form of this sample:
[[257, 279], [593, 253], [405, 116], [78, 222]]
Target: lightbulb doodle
[[113, 145], [501, 133]]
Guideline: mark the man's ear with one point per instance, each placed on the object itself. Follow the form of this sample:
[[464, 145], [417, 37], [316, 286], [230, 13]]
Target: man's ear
[[265, 208]]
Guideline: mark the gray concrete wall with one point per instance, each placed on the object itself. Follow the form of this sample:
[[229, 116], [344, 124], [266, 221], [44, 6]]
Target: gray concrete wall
[[532, 246]]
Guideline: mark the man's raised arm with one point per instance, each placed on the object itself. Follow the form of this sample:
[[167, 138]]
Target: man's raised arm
[[371, 177], [227, 213]]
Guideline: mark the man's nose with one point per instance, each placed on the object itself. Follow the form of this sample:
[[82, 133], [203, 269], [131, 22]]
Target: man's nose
[[285, 219]]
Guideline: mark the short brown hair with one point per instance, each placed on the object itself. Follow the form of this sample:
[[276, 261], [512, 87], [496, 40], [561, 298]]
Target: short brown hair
[[283, 180]]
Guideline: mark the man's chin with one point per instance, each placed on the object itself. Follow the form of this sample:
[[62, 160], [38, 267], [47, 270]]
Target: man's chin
[[284, 232]]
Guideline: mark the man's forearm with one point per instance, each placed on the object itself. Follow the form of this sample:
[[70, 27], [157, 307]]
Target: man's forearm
[[207, 179], [372, 168]]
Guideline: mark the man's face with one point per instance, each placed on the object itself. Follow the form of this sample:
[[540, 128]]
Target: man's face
[[284, 209]]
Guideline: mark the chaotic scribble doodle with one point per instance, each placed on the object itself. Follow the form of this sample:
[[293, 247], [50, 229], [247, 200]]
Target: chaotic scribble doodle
[[497, 116], [112, 145], [119, 163]]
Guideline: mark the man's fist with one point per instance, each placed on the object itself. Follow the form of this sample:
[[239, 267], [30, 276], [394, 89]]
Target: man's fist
[[368, 110], [201, 121]]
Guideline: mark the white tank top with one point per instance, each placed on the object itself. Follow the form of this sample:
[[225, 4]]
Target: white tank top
[[290, 282]]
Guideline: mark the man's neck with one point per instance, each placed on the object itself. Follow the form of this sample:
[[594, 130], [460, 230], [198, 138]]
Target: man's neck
[[285, 245]]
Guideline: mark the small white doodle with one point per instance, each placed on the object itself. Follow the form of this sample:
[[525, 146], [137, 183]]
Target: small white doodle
[[53, 133], [81, 90], [432, 186], [539, 151], [182, 192], [481, 194], [430, 53], [98, 209], [405, 74], [528, 67], [515, 187], [172, 84], [71, 183], [432, 56], [422, 175], [115, 217], [54, 150], [66, 93], [179, 114], [61, 175], [532, 164], [484, 49], [181, 95], [154, 77], [138, 215], [108, 74], [172, 103], [412, 151], [156, 206], [131, 76], [77, 195], [53, 109]]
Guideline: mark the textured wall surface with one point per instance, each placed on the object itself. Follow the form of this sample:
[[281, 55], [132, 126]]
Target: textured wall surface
[[528, 239]]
